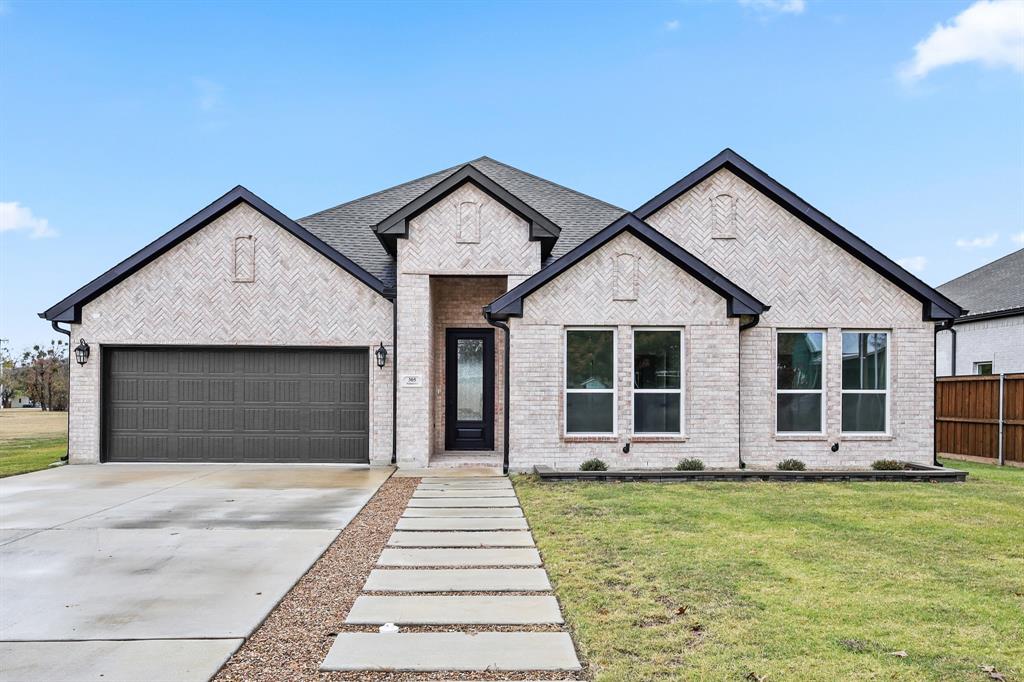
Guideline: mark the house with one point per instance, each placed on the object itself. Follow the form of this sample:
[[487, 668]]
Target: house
[[989, 337], [482, 313]]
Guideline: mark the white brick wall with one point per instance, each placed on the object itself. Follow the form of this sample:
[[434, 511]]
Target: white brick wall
[[810, 282], [999, 341], [583, 296], [187, 296]]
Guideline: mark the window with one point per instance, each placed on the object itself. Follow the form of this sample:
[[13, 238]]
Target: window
[[590, 381], [865, 382], [657, 380], [799, 378], [984, 368]]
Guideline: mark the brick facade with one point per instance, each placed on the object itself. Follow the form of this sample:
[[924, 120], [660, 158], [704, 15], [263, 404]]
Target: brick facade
[[188, 296], [810, 283], [999, 341]]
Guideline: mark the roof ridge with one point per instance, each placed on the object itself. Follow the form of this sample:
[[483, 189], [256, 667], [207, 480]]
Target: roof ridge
[[447, 171], [551, 182], [981, 267]]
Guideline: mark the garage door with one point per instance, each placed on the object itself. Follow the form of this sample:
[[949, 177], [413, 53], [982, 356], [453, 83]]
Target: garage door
[[235, 405]]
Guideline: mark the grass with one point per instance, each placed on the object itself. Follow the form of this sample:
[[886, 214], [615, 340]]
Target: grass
[[31, 440], [813, 581]]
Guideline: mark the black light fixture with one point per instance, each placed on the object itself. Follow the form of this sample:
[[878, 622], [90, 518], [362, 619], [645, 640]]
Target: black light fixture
[[382, 355], [82, 352]]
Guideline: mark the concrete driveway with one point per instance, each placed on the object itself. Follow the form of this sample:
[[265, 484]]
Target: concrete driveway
[[157, 572]]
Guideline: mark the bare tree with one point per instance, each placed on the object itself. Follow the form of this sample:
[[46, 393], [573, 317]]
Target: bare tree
[[42, 375]]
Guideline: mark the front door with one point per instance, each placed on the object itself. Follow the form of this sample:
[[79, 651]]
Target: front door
[[469, 389]]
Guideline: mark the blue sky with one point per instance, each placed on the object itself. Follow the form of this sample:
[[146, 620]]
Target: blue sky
[[904, 121]]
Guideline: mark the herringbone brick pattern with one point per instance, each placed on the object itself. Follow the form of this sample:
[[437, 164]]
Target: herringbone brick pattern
[[503, 247], [188, 296]]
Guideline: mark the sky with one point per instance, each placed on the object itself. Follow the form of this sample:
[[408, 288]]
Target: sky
[[903, 121]]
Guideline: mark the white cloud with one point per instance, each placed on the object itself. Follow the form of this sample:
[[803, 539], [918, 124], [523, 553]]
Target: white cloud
[[978, 242], [14, 216], [783, 6], [671, 24], [915, 264], [989, 31], [208, 93], [1018, 238]]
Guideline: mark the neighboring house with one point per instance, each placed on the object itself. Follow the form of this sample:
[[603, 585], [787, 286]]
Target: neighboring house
[[725, 319], [989, 337]]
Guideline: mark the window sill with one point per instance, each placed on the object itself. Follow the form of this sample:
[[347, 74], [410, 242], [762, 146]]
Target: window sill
[[659, 438], [846, 437], [590, 439], [802, 437]]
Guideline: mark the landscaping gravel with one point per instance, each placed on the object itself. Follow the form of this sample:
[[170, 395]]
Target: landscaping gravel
[[294, 639]]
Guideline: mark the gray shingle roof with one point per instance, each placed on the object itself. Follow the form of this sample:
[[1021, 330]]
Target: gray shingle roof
[[348, 227], [993, 287]]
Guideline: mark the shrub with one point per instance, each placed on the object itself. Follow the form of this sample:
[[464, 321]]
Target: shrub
[[791, 465], [887, 465], [690, 464], [594, 465]]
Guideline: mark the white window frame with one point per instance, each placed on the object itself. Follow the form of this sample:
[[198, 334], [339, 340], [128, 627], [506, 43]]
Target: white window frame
[[680, 390], [888, 383], [784, 391], [614, 390], [978, 365]]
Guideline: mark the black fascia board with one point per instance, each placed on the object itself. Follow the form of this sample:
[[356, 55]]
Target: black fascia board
[[397, 224], [738, 301], [935, 305], [70, 308]]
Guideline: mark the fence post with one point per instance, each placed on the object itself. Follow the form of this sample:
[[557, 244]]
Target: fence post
[[1001, 456]]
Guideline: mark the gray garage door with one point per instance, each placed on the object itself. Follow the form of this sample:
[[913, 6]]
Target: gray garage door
[[235, 405]]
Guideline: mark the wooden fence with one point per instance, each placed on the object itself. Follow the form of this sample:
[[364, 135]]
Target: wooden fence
[[967, 416]]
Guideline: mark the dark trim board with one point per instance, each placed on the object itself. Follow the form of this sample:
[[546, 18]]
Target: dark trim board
[[738, 301], [935, 305], [397, 224], [917, 473], [70, 308]]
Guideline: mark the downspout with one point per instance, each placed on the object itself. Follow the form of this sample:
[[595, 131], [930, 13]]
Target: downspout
[[505, 407], [946, 325], [739, 388], [67, 454], [394, 381]]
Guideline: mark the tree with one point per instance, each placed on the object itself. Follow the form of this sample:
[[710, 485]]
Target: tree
[[42, 375]]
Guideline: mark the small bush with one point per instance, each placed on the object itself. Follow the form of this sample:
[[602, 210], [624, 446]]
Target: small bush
[[690, 464], [594, 465], [791, 465], [887, 465]]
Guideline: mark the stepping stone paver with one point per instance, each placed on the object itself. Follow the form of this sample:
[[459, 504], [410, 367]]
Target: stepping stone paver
[[499, 538], [463, 502], [422, 651], [463, 485], [458, 580], [456, 523], [454, 610], [459, 557], [462, 512], [497, 492]]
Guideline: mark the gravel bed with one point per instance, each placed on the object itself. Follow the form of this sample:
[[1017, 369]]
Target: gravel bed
[[294, 639]]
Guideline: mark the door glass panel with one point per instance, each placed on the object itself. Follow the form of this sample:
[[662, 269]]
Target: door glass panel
[[470, 376]]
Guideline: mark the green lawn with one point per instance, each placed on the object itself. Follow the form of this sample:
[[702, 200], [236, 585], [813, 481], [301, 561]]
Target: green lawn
[[803, 581], [23, 455]]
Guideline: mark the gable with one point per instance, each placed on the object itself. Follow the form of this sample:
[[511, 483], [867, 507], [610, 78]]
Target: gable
[[808, 278], [70, 308], [241, 279], [935, 306]]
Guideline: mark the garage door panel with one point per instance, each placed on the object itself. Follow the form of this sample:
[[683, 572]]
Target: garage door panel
[[226, 405]]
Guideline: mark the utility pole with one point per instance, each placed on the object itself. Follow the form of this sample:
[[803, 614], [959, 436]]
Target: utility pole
[[3, 357]]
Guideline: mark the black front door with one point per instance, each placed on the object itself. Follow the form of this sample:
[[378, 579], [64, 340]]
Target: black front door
[[469, 389]]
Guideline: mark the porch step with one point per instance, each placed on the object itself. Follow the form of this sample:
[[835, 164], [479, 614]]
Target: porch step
[[459, 557], [454, 610], [502, 538], [439, 651], [461, 460], [458, 580]]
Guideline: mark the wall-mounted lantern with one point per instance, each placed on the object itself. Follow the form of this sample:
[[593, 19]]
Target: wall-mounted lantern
[[82, 352], [382, 355]]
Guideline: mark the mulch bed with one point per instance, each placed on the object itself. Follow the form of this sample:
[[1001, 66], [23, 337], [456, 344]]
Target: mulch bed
[[294, 639]]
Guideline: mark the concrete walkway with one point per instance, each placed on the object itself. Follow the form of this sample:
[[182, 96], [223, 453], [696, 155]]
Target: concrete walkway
[[458, 535]]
